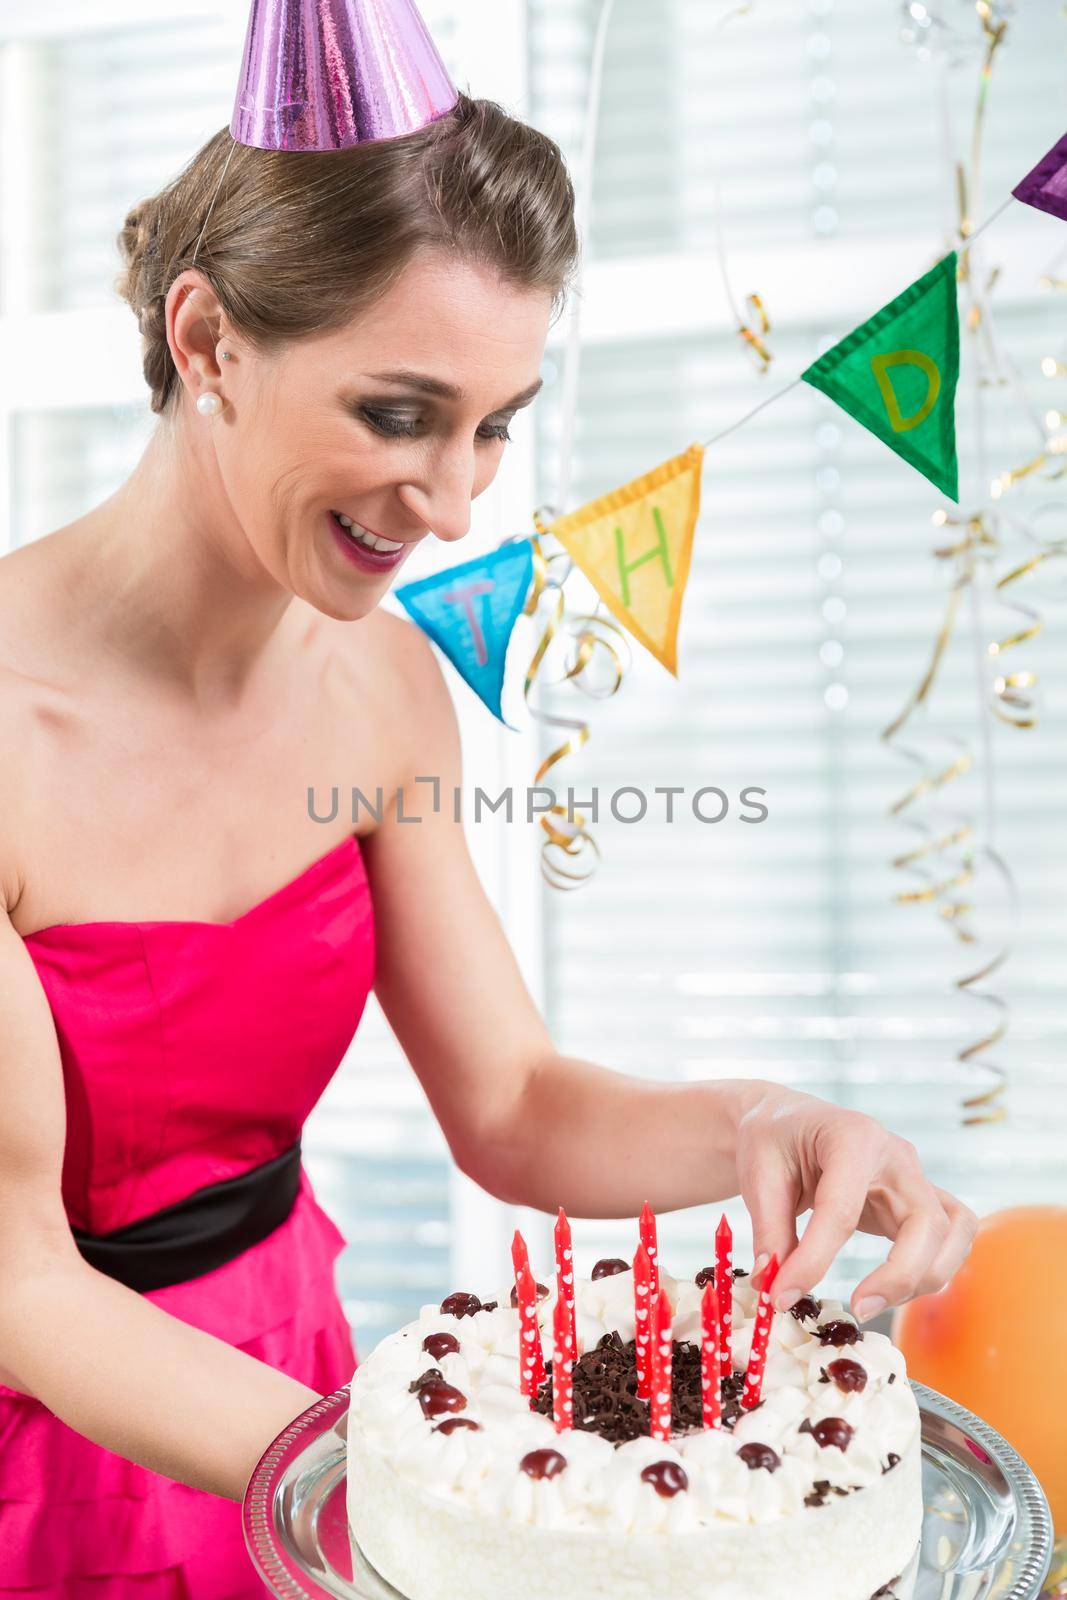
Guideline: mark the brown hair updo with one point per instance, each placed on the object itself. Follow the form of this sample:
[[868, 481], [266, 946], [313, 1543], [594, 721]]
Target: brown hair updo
[[301, 242]]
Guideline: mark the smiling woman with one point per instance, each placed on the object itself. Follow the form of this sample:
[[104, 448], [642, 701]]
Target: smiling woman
[[334, 342]]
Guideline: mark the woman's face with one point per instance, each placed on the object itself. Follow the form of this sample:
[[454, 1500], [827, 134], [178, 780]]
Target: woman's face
[[327, 428]]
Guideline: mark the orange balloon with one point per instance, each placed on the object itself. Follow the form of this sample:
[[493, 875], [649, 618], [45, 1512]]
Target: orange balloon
[[995, 1338]]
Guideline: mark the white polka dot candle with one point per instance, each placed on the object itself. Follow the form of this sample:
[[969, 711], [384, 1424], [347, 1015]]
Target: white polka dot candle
[[662, 1370], [710, 1390], [531, 1354], [643, 1323], [562, 1367], [761, 1332], [565, 1269], [724, 1289], [647, 1227]]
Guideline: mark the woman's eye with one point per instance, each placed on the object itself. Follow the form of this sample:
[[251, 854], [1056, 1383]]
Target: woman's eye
[[404, 427]]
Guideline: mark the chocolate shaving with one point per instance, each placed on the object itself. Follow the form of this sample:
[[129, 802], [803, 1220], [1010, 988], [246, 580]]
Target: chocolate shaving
[[893, 1379], [431, 1375], [891, 1462], [606, 1400]]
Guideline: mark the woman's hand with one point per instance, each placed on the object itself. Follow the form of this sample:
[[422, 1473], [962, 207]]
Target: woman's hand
[[795, 1152]]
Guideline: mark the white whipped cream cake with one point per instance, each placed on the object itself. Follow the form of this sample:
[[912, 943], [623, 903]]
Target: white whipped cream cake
[[458, 1487]]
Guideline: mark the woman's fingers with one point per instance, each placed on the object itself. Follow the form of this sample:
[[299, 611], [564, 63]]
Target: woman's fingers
[[963, 1225], [920, 1238], [840, 1196], [770, 1197]]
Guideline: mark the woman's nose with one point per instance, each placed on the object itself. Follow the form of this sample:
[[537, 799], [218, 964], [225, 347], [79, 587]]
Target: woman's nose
[[443, 503]]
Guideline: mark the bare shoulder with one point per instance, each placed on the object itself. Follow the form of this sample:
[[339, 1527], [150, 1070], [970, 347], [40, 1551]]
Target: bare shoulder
[[397, 674], [18, 737], [33, 700]]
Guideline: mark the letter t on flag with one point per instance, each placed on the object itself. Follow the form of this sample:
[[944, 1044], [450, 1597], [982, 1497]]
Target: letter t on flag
[[634, 545], [897, 373], [470, 610]]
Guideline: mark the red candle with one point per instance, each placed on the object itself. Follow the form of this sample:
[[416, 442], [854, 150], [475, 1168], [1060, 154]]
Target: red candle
[[648, 1239], [520, 1256], [662, 1365], [724, 1290], [565, 1270], [531, 1355], [760, 1335], [643, 1322], [709, 1358], [562, 1363]]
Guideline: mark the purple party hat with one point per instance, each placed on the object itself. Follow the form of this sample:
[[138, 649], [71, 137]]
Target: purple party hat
[[328, 74]]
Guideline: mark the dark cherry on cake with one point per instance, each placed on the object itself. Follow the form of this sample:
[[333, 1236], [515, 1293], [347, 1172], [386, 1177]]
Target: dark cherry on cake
[[806, 1307], [450, 1424], [759, 1455], [831, 1430], [461, 1304], [838, 1332], [849, 1376], [440, 1344], [609, 1267], [668, 1478], [539, 1288], [437, 1398], [543, 1463]]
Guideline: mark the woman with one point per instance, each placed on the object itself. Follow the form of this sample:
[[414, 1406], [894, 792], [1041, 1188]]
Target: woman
[[185, 952]]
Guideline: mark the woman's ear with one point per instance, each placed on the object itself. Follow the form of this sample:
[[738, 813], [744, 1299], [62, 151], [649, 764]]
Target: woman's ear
[[196, 323]]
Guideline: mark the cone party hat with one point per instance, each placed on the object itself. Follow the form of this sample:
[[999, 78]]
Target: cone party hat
[[328, 74]]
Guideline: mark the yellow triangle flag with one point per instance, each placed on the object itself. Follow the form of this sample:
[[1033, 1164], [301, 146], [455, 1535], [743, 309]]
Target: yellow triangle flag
[[634, 546]]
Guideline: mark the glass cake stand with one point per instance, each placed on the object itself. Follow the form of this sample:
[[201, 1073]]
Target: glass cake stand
[[987, 1530]]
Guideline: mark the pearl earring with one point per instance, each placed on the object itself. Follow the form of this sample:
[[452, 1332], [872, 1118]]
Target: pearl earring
[[209, 404]]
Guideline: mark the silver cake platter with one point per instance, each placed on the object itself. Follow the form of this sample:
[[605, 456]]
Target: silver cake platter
[[987, 1531]]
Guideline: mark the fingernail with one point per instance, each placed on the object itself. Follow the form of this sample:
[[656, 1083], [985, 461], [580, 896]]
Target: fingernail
[[760, 1262], [866, 1309], [789, 1298]]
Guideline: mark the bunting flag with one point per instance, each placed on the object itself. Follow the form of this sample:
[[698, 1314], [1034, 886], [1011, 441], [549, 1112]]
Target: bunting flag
[[897, 373], [634, 545], [1045, 186], [469, 611]]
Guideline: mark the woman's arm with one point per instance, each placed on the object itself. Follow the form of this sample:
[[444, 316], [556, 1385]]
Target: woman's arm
[[540, 1129], [112, 1365]]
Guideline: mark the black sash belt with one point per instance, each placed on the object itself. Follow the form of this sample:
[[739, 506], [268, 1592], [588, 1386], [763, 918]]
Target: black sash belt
[[201, 1232]]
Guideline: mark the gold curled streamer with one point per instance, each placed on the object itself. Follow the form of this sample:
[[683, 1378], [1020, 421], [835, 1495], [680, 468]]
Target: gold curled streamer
[[938, 887], [935, 888], [985, 1105], [990, 371], [569, 837], [754, 336]]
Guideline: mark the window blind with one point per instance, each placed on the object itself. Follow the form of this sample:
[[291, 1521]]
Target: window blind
[[775, 951]]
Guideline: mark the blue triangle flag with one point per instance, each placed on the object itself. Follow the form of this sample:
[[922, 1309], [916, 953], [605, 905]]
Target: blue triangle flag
[[470, 610]]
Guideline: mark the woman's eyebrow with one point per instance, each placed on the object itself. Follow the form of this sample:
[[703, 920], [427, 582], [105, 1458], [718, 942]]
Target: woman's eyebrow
[[448, 391]]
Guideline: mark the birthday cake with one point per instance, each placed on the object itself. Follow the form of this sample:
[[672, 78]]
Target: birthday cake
[[461, 1484]]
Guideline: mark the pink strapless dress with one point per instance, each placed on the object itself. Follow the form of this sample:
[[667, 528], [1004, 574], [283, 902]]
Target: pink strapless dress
[[192, 1051]]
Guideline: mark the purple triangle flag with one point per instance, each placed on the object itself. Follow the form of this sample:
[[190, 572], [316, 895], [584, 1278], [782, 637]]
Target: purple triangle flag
[[1046, 186]]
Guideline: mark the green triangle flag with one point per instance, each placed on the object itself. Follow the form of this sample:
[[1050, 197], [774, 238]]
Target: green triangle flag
[[896, 373]]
